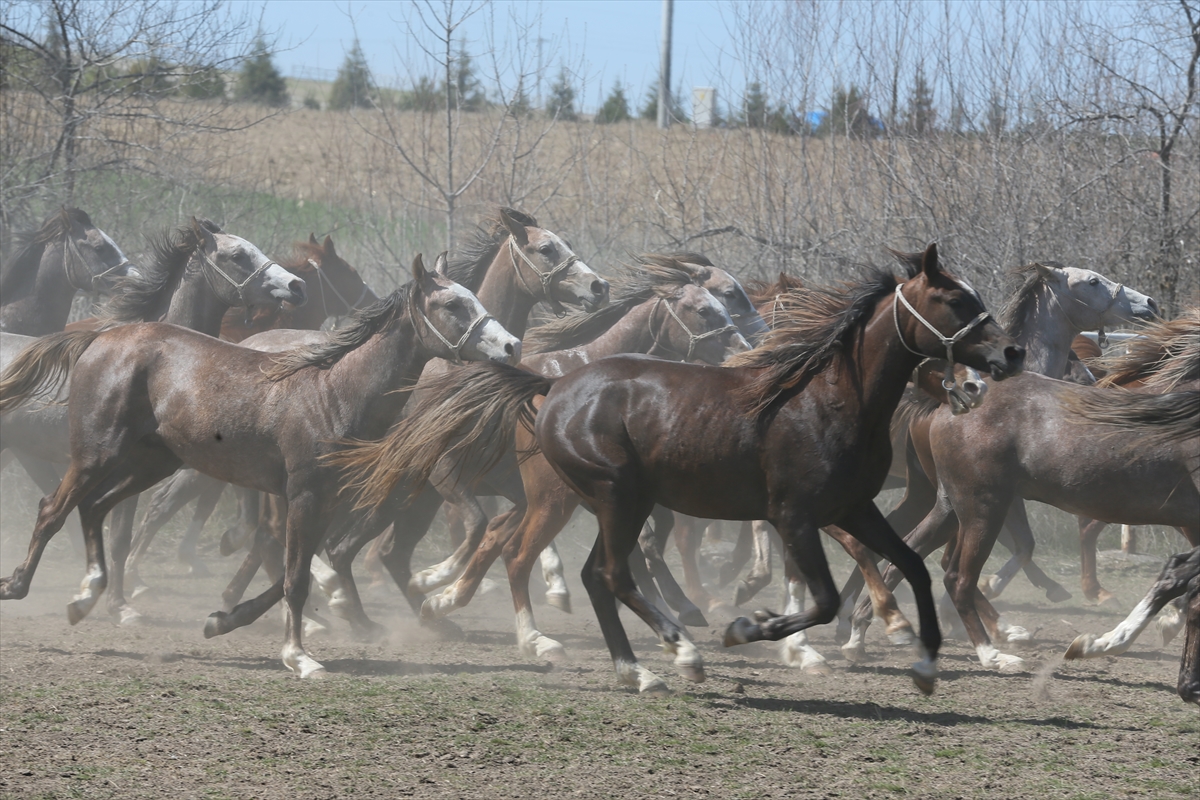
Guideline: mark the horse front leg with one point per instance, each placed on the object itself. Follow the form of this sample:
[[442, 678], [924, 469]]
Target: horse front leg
[[1089, 533], [206, 503], [897, 627], [760, 572], [308, 516], [688, 535], [795, 650], [743, 550], [1188, 685]]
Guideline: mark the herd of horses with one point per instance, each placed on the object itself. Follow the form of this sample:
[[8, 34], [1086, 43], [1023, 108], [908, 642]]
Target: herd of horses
[[672, 395]]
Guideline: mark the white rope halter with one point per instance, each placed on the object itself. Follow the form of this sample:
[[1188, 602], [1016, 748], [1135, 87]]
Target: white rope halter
[[322, 280], [948, 382], [455, 349], [546, 278], [240, 287], [86, 282], [693, 338]]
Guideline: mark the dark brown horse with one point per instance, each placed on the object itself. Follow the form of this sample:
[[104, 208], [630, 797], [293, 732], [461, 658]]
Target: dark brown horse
[[657, 309], [336, 290], [176, 397], [67, 254], [796, 433]]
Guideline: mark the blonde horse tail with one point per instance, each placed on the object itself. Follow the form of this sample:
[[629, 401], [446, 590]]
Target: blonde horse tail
[[41, 368], [470, 412]]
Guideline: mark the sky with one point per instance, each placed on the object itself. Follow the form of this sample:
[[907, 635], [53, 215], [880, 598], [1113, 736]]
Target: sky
[[602, 40]]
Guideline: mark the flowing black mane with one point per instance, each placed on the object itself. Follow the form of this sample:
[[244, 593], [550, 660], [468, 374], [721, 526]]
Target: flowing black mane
[[476, 254], [359, 327], [655, 274], [812, 326], [1020, 307], [17, 273], [146, 296]]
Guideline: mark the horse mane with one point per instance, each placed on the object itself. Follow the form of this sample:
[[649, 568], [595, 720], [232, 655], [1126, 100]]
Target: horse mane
[[1019, 308], [17, 273], [914, 405], [146, 296], [760, 291], [655, 274], [812, 326], [359, 327], [476, 253], [1162, 419], [1166, 355]]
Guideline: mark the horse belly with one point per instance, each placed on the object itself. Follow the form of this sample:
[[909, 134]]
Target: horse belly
[[1120, 492]]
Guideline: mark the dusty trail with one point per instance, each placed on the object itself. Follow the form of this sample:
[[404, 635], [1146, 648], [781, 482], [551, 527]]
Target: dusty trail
[[153, 711]]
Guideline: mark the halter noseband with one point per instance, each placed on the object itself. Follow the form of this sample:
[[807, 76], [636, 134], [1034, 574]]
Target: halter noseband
[[455, 349], [240, 287], [948, 381], [88, 285], [547, 278], [693, 339]]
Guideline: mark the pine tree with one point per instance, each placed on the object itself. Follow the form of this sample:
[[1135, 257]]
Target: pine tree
[[259, 81], [465, 94], [920, 116], [561, 102], [754, 106], [615, 108], [997, 116], [423, 96], [352, 88], [848, 115], [520, 106], [649, 109]]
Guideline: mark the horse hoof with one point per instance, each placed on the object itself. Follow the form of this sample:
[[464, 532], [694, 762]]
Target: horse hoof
[[854, 653], [743, 594], [138, 591], [559, 600], [741, 631], [693, 618], [1169, 623], [314, 628], [1081, 647], [1104, 596], [987, 586], [230, 543], [925, 676], [78, 610], [7, 591], [548, 649], [654, 688], [902, 636], [1057, 594], [819, 668], [1010, 665], [129, 616], [1014, 634], [215, 624], [695, 674]]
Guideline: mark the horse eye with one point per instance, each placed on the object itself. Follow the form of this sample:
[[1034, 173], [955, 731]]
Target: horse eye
[[729, 293], [1094, 281], [954, 302]]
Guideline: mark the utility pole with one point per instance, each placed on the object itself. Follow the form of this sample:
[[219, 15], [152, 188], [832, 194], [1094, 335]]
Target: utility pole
[[664, 69]]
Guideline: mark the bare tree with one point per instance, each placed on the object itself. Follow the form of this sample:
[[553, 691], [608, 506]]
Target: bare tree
[[86, 81]]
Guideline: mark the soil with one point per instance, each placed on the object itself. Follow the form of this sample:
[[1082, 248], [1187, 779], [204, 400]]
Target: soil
[[155, 710]]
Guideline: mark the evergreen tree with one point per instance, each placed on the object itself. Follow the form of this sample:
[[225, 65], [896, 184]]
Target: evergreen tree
[[615, 108], [649, 109], [259, 81], [848, 115], [997, 116], [959, 118], [561, 102], [149, 77], [520, 105], [352, 88], [920, 116], [423, 96], [465, 94]]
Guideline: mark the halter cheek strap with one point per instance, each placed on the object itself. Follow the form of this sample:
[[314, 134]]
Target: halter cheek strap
[[948, 382], [546, 278], [322, 280], [85, 281], [693, 338], [239, 287], [455, 349]]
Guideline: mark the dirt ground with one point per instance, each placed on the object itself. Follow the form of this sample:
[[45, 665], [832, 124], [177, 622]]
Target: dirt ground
[[156, 710]]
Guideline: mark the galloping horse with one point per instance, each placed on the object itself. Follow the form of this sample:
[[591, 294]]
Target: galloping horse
[[332, 281], [67, 254], [176, 397], [657, 309], [795, 433]]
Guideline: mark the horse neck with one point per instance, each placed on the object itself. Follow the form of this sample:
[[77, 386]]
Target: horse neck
[[312, 315], [871, 372], [195, 305], [1046, 334], [365, 380], [631, 334], [504, 297], [47, 306]]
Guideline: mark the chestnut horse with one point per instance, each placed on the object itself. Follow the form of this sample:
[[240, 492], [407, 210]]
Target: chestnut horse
[[149, 398], [796, 433], [67, 254]]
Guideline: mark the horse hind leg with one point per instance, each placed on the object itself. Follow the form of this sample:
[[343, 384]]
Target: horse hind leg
[[1188, 685], [795, 650], [206, 504], [760, 572], [167, 501], [651, 543], [743, 549], [1089, 533]]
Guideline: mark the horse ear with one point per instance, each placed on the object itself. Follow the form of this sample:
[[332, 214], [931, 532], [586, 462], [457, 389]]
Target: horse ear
[[514, 226], [312, 238], [207, 240], [418, 269], [929, 261], [439, 266], [329, 251], [1045, 270]]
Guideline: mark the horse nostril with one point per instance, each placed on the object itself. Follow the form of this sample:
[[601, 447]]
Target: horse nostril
[[599, 287], [1014, 354], [508, 348], [296, 287], [1150, 301]]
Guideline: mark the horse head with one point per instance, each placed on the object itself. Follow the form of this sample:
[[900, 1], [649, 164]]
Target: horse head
[[240, 274], [1093, 302], [338, 286], [92, 260], [548, 268], [454, 320], [696, 327]]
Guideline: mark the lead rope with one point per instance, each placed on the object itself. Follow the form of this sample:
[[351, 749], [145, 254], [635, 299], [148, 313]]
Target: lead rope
[[953, 390], [240, 287], [693, 339], [453, 348], [546, 278]]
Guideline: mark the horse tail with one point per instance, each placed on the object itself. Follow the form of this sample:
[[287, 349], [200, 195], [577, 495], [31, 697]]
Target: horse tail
[[469, 412], [41, 368]]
